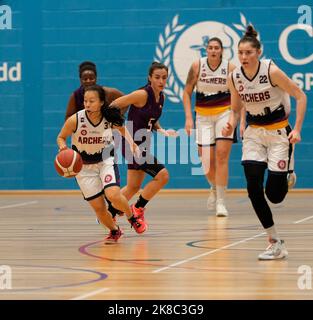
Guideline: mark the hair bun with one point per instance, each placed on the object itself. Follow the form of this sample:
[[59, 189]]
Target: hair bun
[[251, 32]]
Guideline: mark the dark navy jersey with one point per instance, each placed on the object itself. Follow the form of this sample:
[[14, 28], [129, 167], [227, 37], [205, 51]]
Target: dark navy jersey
[[79, 98], [145, 117]]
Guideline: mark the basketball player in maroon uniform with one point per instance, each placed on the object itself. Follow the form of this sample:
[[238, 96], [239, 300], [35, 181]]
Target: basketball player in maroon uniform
[[146, 105], [88, 76]]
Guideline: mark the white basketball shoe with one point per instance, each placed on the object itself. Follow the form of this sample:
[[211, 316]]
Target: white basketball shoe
[[291, 179], [211, 203], [275, 250], [221, 210]]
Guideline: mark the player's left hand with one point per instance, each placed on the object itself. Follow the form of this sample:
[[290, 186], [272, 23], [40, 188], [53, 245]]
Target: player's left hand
[[242, 128], [294, 136]]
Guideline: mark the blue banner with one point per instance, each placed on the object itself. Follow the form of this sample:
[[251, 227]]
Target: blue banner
[[43, 42]]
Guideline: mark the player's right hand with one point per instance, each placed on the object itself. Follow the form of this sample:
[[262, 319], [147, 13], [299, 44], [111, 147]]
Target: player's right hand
[[227, 130], [63, 148], [189, 126]]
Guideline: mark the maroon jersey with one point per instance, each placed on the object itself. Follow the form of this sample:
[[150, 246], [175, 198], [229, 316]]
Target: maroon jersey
[[145, 117]]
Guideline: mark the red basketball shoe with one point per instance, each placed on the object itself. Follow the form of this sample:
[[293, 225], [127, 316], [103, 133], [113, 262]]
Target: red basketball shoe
[[138, 224], [138, 212], [113, 236]]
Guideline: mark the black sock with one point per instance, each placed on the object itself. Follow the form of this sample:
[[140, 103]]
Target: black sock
[[141, 202], [111, 209]]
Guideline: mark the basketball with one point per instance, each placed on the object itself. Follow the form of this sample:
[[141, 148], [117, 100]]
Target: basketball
[[68, 163]]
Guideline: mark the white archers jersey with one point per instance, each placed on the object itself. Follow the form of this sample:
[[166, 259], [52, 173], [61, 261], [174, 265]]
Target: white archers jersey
[[266, 105], [91, 140], [212, 94]]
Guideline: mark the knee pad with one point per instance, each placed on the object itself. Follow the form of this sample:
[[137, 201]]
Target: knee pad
[[276, 186]]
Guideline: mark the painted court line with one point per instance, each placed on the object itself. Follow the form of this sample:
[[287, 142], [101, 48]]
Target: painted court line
[[302, 220], [218, 249], [207, 253], [90, 294], [19, 204]]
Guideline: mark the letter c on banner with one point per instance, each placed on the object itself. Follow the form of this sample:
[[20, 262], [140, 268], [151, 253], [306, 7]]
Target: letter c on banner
[[283, 43]]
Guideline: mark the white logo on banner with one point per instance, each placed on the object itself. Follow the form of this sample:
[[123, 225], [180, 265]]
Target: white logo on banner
[[304, 27], [5, 17], [283, 43], [179, 46], [13, 73], [306, 16]]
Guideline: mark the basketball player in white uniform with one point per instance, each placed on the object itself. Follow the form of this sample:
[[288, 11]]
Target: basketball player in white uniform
[[263, 89], [209, 76], [91, 131]]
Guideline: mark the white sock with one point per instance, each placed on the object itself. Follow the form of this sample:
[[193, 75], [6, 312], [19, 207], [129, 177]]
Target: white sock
[[272, 233], [220, 192], [212, 185]]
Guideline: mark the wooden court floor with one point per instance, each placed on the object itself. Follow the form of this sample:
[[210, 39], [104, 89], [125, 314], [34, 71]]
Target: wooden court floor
[[55, 250]]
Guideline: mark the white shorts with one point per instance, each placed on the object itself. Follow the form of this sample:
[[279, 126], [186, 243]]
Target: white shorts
[[209, 128], [94, 178], [270, 147]]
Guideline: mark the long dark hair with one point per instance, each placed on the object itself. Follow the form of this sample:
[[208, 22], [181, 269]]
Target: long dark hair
[[219, 42], [156, 65], [111, 114]]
